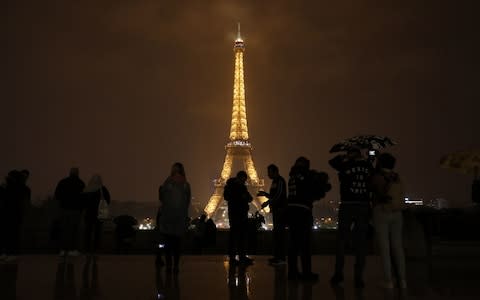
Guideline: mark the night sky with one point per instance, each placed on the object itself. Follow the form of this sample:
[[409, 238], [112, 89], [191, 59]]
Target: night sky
[[126, 88]]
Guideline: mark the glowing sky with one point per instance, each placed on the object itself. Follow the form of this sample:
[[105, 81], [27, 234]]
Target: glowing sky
[[125, 88]]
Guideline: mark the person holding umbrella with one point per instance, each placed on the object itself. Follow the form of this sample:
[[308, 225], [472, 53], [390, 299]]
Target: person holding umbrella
[[353, 173]]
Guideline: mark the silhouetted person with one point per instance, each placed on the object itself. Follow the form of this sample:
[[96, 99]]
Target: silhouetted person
[[199, 232], [175, 197], [159, 243], [277, 201], [353, 173], [210, 233], [67, 193], [16, 196], [238, 198], [93, 193], [386, 184], [300, 220], [125, 232]]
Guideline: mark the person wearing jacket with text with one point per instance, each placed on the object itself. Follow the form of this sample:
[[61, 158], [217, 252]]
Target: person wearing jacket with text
[[354, 210]]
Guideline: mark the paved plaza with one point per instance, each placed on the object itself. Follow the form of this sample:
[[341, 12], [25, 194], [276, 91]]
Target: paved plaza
[[209, 277]]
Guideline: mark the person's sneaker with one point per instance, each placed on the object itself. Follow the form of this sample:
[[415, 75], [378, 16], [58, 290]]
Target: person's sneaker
[[309, 276], [359, 283], [336, 280], [246, 261], [73, 253]]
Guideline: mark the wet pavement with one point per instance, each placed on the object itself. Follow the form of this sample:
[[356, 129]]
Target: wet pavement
[[209, 277]]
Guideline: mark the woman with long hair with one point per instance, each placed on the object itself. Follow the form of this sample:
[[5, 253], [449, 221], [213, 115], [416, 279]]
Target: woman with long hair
[[175, 195], [94, 192], [388, 203]]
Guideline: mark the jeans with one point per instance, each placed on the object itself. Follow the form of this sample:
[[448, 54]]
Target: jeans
[[357, 215], [388, 229]]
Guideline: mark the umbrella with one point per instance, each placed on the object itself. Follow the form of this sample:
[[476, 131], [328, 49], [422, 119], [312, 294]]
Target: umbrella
[[374, 142], [464, 161]]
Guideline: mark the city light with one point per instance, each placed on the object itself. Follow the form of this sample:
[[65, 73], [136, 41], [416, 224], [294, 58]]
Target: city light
[[147, 224]]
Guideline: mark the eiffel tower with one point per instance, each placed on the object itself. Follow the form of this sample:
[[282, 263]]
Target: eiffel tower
[[238, 147]]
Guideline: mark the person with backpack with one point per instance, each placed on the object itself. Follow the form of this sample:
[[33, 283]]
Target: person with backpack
[[304, 187], [388, 202]]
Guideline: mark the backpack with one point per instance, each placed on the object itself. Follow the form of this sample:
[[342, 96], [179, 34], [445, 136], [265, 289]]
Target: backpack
[[319, 184]]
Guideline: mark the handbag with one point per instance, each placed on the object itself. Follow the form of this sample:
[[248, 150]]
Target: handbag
[[103, 209]]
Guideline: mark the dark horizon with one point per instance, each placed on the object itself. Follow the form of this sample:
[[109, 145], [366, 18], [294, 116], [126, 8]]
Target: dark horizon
[[127, 88]]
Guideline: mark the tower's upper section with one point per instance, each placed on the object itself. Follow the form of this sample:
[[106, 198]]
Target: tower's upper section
[[239, 129]]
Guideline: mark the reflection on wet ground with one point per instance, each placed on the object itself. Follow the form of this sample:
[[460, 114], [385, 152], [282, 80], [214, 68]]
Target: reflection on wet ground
[[210, 277]]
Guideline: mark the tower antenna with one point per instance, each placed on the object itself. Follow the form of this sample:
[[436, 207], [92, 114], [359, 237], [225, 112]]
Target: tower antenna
[[239, 37]]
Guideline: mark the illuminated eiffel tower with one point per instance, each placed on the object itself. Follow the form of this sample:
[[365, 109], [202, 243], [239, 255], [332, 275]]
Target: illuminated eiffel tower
[[238, 147]]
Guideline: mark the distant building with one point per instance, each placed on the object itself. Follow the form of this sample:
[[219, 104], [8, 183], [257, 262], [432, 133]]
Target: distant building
[[414, 202], [438, 203]]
